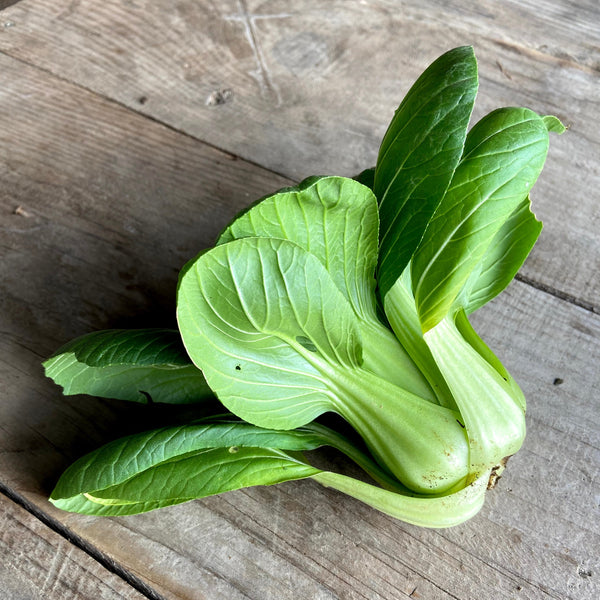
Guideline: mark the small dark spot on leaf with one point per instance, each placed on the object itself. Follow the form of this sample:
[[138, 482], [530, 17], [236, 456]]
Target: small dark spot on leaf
[[147, 396], [143, 99], [519, 588], [557, 381], [306, 343], [238, 367]]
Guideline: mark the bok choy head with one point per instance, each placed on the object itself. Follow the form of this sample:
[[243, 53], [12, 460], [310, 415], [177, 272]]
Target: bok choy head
[[340, 295]]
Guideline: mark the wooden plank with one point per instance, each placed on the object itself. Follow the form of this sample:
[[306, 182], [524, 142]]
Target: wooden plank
[[90, 241], [304, 89], [39, 563]]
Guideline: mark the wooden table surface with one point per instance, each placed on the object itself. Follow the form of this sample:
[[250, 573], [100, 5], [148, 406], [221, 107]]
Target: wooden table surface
[[131, 132]]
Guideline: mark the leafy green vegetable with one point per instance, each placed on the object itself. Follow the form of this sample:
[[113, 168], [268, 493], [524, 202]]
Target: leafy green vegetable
[[344, 296], [503, 258], [418, 155], [504, 155], [143, 365]]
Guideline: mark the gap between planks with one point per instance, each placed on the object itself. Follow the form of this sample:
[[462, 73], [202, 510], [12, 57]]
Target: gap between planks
[[99, 556], [552, 291]]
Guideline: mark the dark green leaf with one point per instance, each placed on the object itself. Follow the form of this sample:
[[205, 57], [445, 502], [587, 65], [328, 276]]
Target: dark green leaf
[[418, 155], [173, 465], [504, 257]]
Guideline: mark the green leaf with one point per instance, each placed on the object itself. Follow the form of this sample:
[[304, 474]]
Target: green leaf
[[366, 177], [418, 156], [138, 365], [504, 257], [160, 468], [176, 464], [553, 124], [257, 315], [335, 219], [504, 155], [279, 344]]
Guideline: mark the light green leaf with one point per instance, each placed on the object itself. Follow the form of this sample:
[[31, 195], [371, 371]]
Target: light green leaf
[[258, 315], [553, 124], [504, 154], [418, 155], [504, 257], [335, 219], [140, 365]]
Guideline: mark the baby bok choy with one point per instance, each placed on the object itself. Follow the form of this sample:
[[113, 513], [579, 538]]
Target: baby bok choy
[[347, 296]]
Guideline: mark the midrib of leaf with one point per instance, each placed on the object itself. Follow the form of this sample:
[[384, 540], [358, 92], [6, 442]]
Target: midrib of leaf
[[427, 132], [466, 156], [240, 462]]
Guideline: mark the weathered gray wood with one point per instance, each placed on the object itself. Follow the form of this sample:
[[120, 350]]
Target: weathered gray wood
[[100, 207], [39, 563], [307, 88]]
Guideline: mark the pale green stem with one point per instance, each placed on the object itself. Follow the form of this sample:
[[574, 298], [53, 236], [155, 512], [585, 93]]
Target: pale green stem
[[384, 356], [399, 306], [493, 414], [435, 511], [421, 443]]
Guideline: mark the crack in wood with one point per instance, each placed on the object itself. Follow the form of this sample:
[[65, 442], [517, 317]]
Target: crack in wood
[[103, 559], [261, 74], [552, 291]]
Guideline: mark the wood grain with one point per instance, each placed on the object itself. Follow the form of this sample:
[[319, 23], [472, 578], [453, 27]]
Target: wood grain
[[100, 208], [301, 88], [39, 563]]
